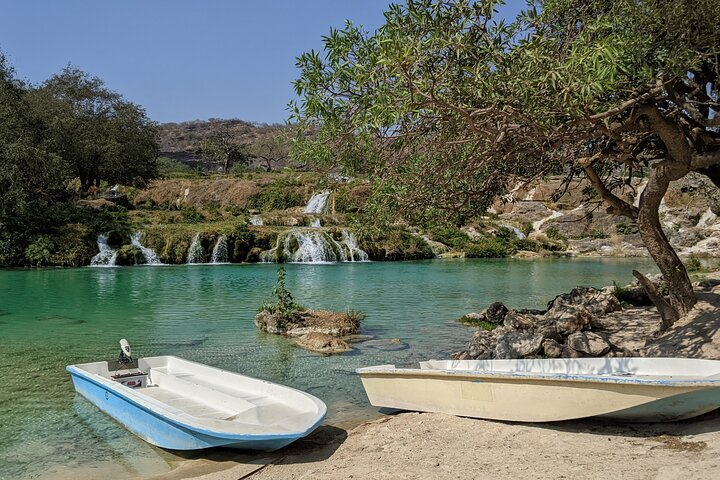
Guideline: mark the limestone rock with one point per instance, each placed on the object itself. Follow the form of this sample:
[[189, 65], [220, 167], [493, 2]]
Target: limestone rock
[[322, 343], [495, 313], [517, 321], [551, 348], [570, 319], [482, 344], [595, 301], [518, 345], [588, 343], [548, 328], [337, 324]]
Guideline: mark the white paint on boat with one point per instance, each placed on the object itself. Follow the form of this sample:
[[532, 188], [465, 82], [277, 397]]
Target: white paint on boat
[[543, 390], [183, 405]]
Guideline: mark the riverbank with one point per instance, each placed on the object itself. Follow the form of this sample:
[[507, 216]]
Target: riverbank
[[436, 446]]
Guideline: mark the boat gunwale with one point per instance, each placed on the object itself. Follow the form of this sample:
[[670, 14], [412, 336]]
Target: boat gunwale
[[541, 377], [141, 401]]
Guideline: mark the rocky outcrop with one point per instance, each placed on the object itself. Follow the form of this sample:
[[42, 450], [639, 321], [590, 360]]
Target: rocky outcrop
[[336, 324], [565, 329], [592, 323], [322, 343]]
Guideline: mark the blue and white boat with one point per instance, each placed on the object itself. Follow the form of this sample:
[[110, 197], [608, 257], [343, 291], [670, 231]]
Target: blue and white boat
[[182, 405]]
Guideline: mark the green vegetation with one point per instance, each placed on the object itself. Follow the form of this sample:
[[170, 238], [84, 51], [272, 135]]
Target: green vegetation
[[605, 88], [623, 228], [477, 322], [222, 148], [693, 264], [60, 142], [285, 307], [280, 194]]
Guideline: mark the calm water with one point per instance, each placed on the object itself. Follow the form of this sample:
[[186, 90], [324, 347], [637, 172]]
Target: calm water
[[52, 318]]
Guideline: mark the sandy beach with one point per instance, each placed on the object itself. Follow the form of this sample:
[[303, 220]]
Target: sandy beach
[[436, 446]]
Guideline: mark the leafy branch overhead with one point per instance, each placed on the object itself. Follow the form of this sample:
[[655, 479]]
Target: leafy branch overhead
[[446, 104]]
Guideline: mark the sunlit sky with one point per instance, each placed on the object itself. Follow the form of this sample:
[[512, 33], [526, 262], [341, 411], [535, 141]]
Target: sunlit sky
[[181, 59]]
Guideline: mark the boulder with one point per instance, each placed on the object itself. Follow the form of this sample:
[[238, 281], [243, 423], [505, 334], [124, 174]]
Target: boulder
[[482, 344], [548, 328], [495, 313], [588, 343], [551, 348], [322, 343], [518, 345], [570, 319], [463, 355], [517, 321], [597, 302]]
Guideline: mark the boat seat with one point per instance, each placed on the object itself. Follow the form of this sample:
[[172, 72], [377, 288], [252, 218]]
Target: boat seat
[[185, 386], [252, 397]]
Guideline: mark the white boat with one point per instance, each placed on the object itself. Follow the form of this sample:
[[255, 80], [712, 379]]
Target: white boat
[[545, 390], [182, 405]]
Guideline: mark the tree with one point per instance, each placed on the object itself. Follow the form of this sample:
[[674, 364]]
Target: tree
[[100, 135], [221, 147], [30, 176], [445, 104], [272, 146]]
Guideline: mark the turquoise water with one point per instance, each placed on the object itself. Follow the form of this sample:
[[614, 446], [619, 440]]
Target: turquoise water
[[52, 318]]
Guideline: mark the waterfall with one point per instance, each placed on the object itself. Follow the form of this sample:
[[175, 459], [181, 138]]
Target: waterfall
[[256, 220], [312, 246], [355, 253], [220, 251], [315, 223], [151, 257], [106, 257], [196, 254], [520, 235], [318, 202]]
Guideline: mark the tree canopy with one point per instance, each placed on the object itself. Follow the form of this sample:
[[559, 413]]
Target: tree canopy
[[446, 103], [100, 135]]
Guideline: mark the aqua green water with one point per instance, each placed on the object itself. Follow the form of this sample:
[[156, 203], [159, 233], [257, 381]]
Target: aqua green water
[[52, 318]]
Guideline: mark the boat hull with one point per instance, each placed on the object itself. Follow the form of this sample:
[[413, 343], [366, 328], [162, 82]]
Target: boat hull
[[547, 398], [165, 432]]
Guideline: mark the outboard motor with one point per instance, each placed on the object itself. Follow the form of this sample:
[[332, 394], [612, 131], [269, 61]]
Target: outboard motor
[[125, 357], [133, 377]]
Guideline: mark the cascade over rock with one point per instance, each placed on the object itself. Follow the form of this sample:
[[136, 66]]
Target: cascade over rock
[[220, 251], [196, 254], [151, 258], [317, 203], [314, 246], [106, 257]]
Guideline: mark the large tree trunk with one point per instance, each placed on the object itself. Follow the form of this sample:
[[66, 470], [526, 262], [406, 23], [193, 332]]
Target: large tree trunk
[[680, 291]]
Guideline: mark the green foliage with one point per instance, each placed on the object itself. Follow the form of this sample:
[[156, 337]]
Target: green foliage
[[11, 251], [285, 307], [693, 264], [554, 234], [278, 195], [39, 252], [222, 148], [527, 228], [623, 228], [192, 215], [488, 248], [479, 323], [598, 233], [446, 104], [171, 168]]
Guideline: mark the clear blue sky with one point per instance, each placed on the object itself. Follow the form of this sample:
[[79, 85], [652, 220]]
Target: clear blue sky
[[181, 59]]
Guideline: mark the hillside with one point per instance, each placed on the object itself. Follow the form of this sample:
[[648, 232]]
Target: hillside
[[179, 141]]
